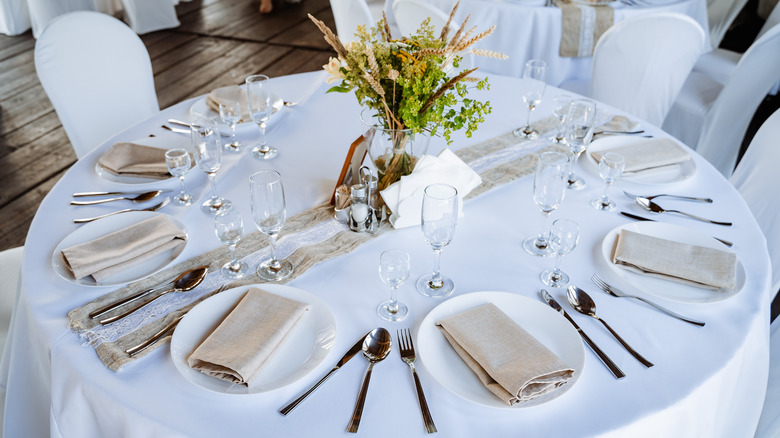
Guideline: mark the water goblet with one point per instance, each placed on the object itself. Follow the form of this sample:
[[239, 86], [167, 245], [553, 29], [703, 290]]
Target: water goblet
[[393, 270], [269, 213], [208, 155], [179, 163], [549, 188], [228, 226], [564, 236], [439, 218], [260, 109], [579, 132], [533, 89], [230, 114], [561, 104], [611, 168]]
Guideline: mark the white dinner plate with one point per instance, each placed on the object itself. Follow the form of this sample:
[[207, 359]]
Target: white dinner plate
[[166, 142], [300, 352], [667, 175], [667, 289], [101, 227], [535, 317], [200, 110]]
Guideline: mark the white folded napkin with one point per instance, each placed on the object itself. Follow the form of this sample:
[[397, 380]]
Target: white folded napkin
[[651, 154], [404, 197], [137, 160]]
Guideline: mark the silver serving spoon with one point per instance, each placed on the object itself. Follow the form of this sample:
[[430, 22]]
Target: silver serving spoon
[[183, 284], [655, 208], [152, 208], [686, 198], [583, 303], [376, 347], [143, 197]]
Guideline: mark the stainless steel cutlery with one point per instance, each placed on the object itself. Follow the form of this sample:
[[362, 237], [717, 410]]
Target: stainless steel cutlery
[[406, 348]]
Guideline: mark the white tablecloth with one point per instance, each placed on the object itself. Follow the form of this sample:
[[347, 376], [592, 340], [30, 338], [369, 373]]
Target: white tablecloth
[[707, 381]]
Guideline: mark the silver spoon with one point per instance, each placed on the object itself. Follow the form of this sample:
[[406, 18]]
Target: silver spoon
[[376, 347], [183, 284], [152, 208], [655, 208], [143, 197], [583, 303], [687, 198]]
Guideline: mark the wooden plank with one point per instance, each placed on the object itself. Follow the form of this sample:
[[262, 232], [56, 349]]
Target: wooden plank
[[17, 45], [171, 41], [24, 108], [286, 16], [19, 214], [28, 133], [299, 61]]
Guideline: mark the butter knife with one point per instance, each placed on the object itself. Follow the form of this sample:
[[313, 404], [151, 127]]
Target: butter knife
[[83, 194], [640, 218], [617, 372], [132, 351], [347, 356]]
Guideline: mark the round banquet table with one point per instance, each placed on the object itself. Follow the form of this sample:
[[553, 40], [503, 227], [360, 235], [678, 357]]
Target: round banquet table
[[707, 381]]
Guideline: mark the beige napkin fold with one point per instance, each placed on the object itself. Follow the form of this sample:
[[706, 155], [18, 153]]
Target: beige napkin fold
[[618, 123], [511, 363], [115, 252], [694, 265], [232, 93], [132, 159], [239, 347], [650, 154], [582, 26]]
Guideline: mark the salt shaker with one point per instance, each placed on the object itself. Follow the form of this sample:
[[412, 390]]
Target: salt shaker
[[360, 218]]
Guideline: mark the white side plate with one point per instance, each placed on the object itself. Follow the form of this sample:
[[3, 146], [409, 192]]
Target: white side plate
[[667, 175]]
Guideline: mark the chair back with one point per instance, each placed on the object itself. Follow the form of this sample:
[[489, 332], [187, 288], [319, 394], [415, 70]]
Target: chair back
[[42, 12], [720, 15], [348, 15], [97, 73], [10, 272], [14, 17], [640, 64], [409, 14], [146, 16]]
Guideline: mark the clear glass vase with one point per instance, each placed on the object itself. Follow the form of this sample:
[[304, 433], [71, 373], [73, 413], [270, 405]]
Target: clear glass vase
[[394, 152]]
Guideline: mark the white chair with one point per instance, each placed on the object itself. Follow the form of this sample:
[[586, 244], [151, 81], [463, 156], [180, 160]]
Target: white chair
[[14, 17], [720, 15], [640, 64], [769, 423], [10, 270], [146, 16], [348, 15], [98, 76], [712, 118], [410, 13], [42, 12]]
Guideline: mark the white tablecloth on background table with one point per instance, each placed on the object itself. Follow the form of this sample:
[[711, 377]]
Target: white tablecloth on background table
[[707, 381]]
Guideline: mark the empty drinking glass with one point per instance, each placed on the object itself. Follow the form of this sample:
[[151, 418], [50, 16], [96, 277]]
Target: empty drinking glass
[[549, 188], [260, 109], [393, 270], [579, 131], [208, 156], [533, 89], [561, 104], [230, 113], [611, 168], [228, 226], [564, 236], [439, 218], [179, 163], [269, 212]]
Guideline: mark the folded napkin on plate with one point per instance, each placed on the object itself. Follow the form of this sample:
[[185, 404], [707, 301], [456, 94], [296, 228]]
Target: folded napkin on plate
[[243, 342], [581, 26], [618, 123], [115, 252], [688, 264], [511, 363], [404, 197], [651, 154], [132, 159], [232, 93]]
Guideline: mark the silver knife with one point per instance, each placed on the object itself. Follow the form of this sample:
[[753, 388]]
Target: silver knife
[[347, 356], [617, 372], [640, 218], [84, 194]]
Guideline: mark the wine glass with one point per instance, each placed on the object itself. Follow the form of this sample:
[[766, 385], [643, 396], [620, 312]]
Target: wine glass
[[439, 218], [579, 131], [208, 155], [564, 236], [611, 168], [179, 163], [393, 270], [533, 89], [549, 188], [260, 109], [561, 104], [230, 113], [269, 212], [228, 226]]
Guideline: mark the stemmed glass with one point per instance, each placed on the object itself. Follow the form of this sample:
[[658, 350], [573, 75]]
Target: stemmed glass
[[393, 270], [533, 88], [549, 188], [260, 109], [228, 226], [179, 163], [439, 218], [561, 104], [564, 236], [579, 131], [611, 168], [208, 155], [230, 113], [269, 212]]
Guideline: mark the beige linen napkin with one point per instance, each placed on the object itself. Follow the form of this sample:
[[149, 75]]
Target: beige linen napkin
[[688, 264], [582, 26], [237, 350], [231, 92], [135, 160], [117, 251], [651, 154], [511, 363]]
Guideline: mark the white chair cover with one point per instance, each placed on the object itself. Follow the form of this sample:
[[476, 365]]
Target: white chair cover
[[712, 118], [98, 76], [44, 11], [10, 272], [720, 15], [348, 15], [14, 17], [410, 13], [640, 64], [769, 423], [145, 16]]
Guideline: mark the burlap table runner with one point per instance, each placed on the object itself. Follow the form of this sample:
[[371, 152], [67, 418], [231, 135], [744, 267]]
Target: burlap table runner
[[582, 26]]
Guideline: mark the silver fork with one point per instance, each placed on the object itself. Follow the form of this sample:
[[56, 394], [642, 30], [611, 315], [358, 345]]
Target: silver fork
[[686, 198], [615, 292], [406, 347]]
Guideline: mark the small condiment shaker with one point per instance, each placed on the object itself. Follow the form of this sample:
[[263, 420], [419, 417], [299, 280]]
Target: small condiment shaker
[[360, 217]]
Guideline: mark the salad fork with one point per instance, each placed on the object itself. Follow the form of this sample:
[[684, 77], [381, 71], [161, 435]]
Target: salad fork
[[406, 348], [687, 198]]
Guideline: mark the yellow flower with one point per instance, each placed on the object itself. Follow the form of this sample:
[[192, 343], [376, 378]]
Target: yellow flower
[[334, 68]]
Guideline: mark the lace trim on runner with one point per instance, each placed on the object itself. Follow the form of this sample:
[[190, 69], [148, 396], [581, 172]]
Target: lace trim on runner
[[587, 28]]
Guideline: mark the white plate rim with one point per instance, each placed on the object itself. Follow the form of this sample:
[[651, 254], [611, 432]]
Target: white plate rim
[[452, 373], [683, 172], [672, 291], [164, 142], [199, 108], [201, 318]]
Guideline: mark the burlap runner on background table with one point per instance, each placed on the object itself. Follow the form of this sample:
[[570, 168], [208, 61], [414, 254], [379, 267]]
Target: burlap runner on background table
[[582, 26]]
